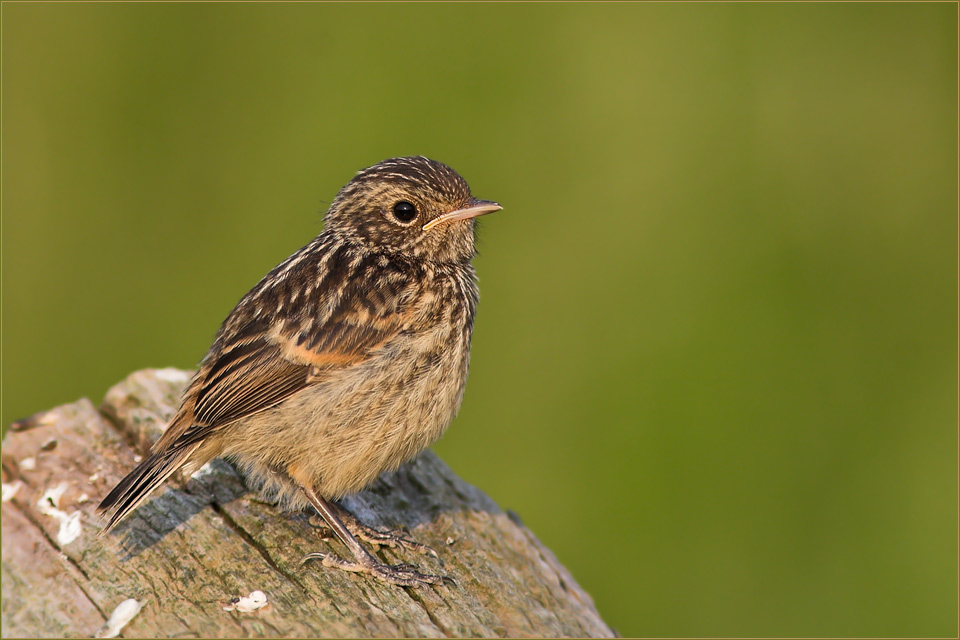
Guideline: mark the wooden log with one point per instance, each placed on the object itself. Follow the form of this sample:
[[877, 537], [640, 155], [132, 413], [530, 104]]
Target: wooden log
[[188, 554]]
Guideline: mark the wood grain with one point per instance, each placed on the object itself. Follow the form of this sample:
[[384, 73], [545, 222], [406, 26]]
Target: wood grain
[[194, 547]]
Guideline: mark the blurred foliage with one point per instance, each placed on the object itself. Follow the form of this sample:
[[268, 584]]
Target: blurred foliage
[[715, 367]]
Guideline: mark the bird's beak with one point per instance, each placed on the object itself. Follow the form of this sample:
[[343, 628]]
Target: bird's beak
[[476, 208]]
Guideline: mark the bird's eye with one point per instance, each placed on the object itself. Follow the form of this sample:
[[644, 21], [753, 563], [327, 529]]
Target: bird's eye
[[403, 211]]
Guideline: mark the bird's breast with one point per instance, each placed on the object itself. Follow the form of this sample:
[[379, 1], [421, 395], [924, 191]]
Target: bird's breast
[[372, 417]]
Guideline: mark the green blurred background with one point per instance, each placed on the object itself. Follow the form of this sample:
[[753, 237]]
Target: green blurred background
[[715, 366]]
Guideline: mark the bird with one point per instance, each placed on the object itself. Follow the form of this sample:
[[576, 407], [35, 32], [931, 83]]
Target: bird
[[344, 362]]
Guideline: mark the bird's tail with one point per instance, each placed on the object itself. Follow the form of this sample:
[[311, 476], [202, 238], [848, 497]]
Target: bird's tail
[[140, 483]]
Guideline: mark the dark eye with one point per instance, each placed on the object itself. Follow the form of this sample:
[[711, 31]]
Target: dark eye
[[404, 211]]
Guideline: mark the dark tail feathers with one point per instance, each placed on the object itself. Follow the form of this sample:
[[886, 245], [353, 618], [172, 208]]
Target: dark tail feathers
[[140, 483]]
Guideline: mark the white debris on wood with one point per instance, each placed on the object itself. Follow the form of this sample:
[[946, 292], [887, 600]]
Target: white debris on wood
[[10, 490], [94, 477], [123, 614], [28, 464], [83, 498], [49, 505], [51, 497], [256, 600], [70, 529], [171, 375]]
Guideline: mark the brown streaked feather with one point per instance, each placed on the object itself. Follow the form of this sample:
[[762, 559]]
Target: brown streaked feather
[[249, 384], [341, 342], [184, 419], [257, 370]]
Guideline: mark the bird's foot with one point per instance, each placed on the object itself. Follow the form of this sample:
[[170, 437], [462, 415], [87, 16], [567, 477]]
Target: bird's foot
[[393, 538], [400, 574]]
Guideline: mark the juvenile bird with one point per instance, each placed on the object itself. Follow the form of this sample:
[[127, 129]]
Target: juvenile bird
[[345, 361]]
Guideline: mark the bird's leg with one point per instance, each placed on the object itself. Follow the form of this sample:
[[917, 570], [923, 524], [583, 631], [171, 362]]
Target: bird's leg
[[363, 561], [395, 539]]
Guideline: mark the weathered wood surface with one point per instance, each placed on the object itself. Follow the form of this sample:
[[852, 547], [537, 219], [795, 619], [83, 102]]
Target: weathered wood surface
[[195, 546]]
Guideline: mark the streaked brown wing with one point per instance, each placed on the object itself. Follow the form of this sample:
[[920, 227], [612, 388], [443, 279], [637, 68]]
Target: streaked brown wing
[[245, 380], [263, 369]]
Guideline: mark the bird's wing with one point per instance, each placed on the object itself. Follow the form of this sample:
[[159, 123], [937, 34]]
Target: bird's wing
[[268, 364]]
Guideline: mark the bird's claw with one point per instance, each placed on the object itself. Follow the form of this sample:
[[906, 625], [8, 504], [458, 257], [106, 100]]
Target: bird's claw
[[394, 538], [402, 574]]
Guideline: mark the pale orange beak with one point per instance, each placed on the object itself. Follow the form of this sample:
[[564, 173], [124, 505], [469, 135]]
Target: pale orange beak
[[476, 208]]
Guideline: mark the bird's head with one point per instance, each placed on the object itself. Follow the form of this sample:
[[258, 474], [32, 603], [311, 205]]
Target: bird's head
[[413, 206]]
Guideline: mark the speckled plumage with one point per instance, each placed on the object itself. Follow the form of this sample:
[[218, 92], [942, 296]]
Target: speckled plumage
[[347, 359]]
